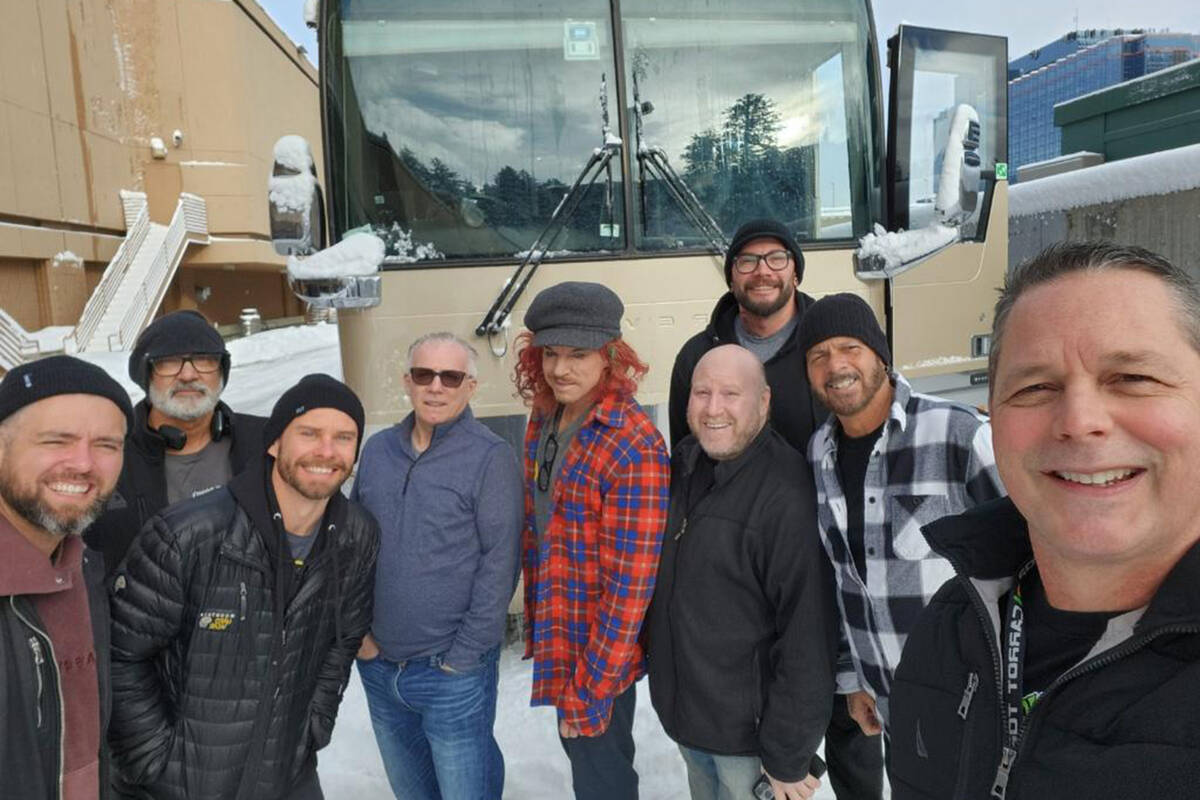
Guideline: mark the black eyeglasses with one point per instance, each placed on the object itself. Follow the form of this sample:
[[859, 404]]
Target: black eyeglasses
[[171, 366], [450, 378], [549, 453], [777, 260]]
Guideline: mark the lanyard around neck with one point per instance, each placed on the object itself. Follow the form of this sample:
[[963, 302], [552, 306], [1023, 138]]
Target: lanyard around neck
[[1017, 703]]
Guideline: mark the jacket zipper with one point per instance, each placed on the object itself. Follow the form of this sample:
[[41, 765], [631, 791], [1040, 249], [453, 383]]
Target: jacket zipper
[[62, 727], [38, 660], [242, 600], [1129, 647], [964, 749]]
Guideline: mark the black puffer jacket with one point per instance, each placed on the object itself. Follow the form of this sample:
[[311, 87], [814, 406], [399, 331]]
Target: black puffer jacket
[[1125, 723], [741, 634], [31, 754], [142, 489], [795, 412], [228, 663]]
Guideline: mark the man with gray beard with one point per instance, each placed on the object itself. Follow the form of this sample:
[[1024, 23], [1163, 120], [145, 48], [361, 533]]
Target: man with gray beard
[[62, 425], [184, 441]]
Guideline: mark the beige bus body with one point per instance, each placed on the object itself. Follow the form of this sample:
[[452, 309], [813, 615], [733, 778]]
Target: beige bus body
[[937, 307]]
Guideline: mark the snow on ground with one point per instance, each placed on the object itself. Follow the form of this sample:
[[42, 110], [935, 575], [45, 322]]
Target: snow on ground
[[536, 768]]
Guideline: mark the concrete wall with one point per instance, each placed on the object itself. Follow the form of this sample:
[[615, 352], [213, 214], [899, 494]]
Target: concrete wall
[[1166, 224], [85, 84]]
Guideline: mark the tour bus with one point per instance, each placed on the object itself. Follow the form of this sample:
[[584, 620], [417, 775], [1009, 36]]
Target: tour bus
[[498, 147]]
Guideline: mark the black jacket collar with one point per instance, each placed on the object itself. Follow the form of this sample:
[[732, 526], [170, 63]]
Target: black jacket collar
[[720, 325], [149, 441], [991, 542], [723, 472]]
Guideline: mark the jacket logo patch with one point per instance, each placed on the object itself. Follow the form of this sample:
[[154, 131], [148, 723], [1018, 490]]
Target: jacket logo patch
[[215, 620]]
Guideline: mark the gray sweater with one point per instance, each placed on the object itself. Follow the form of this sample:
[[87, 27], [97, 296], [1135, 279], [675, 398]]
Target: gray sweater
[[450, 521]]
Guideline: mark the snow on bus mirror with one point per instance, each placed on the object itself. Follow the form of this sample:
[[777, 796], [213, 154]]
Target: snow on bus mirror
[[343, 276], [958, 189], [886, 254], [294, 198]]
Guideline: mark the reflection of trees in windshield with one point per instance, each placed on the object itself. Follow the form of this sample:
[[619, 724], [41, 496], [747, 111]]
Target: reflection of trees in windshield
[[738, 172]]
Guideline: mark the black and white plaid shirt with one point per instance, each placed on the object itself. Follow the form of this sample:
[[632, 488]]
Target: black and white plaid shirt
[[932, 459]]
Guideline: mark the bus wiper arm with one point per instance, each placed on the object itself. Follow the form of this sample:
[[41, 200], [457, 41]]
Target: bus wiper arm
[[598, 164]]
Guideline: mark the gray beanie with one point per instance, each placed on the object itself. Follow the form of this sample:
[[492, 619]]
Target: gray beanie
[[842, 315], [575, 314]]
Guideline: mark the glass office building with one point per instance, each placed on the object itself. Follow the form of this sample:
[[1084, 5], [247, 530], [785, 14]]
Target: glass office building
[[1078, 63]]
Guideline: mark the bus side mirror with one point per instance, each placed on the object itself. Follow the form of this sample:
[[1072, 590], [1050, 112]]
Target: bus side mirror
[[294, 197], [958, 182]]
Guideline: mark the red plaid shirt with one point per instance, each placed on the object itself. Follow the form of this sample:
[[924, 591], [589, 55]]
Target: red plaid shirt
[[589, 580]]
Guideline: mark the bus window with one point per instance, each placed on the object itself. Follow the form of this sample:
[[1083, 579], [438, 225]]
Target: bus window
[[764, 108], [454, 133]]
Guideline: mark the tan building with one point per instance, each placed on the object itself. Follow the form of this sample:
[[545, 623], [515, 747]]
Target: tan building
[[156, 98]]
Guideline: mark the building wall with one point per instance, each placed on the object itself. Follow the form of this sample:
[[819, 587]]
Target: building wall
[[85, 84], [1032, 95]]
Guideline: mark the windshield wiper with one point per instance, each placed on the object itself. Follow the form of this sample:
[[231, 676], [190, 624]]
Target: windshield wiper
[[600, 162]]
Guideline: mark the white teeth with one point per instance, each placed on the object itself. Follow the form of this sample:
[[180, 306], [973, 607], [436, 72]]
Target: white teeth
[[842, 383], [70, 488], [716, 425], [320, 470], [1096, 478]]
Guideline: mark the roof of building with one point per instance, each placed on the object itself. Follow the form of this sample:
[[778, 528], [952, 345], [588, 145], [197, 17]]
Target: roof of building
[[1154, 85]]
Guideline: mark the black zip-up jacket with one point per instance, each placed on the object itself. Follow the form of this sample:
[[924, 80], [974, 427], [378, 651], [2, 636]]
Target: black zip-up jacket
[[229, 662], [795, 412], [142, 488], [1124, 723], [30, 698], [741, 634]]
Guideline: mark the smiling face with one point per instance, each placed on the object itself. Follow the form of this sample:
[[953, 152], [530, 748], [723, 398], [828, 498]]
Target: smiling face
[[315, 452], [435, 403], [572, 374], [729, 401], [764, 291], [849, 378], [1096, 420], [187, 395], [59, 461]]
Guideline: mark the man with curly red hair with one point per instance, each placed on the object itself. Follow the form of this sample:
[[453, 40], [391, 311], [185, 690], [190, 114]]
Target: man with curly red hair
[[597, 482]]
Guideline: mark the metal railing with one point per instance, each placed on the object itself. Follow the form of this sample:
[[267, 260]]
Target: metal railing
[[114, 273], [15, 347], [188, 224]]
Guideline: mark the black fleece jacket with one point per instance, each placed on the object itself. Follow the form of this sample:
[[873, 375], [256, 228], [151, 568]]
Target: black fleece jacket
[[1124, 723], [795, 412], [741, 634], [142, 488], [222, 646]]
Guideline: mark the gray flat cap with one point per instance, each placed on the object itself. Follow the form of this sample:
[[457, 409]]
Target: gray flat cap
[[575, 314]]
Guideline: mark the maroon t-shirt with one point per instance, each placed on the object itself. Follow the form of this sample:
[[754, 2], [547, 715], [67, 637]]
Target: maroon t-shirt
[[59, 595]]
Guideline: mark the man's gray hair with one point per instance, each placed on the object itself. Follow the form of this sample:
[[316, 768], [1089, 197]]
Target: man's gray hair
[[1065, 258], [447, 338]]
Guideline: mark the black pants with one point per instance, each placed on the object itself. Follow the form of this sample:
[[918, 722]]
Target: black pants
[[307, 788], [855, 760], [602, 766]]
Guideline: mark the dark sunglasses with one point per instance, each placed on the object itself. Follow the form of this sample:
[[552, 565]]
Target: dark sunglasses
[[547, 464], [450, 378]]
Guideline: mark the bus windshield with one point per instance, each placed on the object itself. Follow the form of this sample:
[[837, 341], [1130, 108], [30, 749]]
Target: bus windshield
[[455, 129]]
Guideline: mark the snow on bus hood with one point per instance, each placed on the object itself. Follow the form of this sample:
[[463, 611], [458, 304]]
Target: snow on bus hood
[[357, 254]]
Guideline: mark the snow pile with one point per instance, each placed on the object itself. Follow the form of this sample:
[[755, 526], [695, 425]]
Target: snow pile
[[1142, 176], [885, 249], [312, 12], [357, 254], [67, 259], [50, 338], [402, 249], [292, 151]]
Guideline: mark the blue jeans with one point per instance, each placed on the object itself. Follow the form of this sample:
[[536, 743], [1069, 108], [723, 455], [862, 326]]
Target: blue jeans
[[434, 729], [713, 777]]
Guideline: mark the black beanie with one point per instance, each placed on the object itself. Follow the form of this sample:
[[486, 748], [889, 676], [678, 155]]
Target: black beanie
[[758, 229], [46, 377], [176, 334], [313, 391], [842, 315]]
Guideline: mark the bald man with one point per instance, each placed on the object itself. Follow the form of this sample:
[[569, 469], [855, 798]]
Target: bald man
[[740, 634]]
